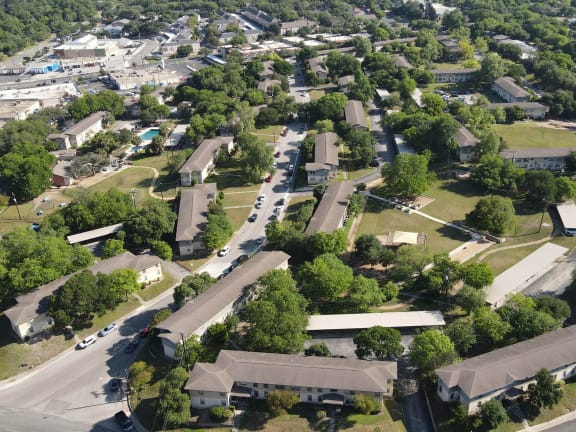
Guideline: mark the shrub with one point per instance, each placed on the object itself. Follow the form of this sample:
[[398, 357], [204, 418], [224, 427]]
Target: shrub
[[220, 413], [365, 404]]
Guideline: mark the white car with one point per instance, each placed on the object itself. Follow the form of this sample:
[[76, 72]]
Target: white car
[[87, 341], [277, 210], [258, 205], [291, 168], [262, 198], [108, 329], [275, 165], [62, 204], [224, 251]]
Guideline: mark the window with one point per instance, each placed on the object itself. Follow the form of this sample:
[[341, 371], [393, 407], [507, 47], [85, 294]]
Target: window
[[309, 389], [222, 394], [265, 385], [295, 388], [280, 387], [201, 393], [309, 398], [223, 402], [202, 402], [255, 385], [333, 390], [319, 390], [319, 398], [439, 389]]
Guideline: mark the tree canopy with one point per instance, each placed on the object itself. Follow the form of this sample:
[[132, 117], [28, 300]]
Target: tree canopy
[[378, 342], [407, 176]]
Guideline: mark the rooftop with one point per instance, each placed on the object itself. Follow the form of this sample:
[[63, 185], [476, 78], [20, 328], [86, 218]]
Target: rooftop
[[332, 208], [524, 153], [509, 86], [367, 320], [513, 364], [93, 234], [203, 154], [193, 210], [465, 138], [290, 370], [326, 148], [567, 212], [84, 124], [354, 113]]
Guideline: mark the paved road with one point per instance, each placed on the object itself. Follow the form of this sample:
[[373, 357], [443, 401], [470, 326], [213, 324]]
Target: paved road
[[556, 280], [564, 427]]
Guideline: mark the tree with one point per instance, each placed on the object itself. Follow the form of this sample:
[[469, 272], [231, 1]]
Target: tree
[[218, 333], [477, 275], [410, 260], [280, 401], [524, 319], [565, 189], [407, 176], [329, 106], [490, 327], [494, 214], [318, 350], [491, 68], [470, 299], [545, 392], [112, 247], [322, 243], [433, 103], [539, 187], [276, 280], [365, 292], [325, 278], [192, 286], [140, 375], [150, 223], [218, 231], [175, 405], [461, 333], [493, 413], [365, 404], [368, 248], [156, 147], [159, 316], [378, 342], [555, 307], [161, 249], [257, 157], [189, 351], [431, 349]]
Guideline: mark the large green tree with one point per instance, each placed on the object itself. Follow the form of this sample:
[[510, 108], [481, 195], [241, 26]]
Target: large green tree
[[256, 157], [154, 220], [494, 214], [407, 176], [325, 278], [378, 342], [545, 392], [431, 349]]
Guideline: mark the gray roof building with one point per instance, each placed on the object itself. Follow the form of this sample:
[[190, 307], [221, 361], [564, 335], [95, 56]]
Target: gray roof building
[[507, 88], [193, 211], [326, 148], [331, 212], [354, 113]]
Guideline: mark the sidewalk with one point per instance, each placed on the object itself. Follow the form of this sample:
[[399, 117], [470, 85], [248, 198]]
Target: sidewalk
[[571, 416]]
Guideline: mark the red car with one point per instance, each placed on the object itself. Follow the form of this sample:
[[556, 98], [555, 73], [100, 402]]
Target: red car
[[268, 179], [277, 154]]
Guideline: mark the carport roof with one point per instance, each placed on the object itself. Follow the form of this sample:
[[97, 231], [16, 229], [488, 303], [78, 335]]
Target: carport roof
[[367, 320], [567, 212]]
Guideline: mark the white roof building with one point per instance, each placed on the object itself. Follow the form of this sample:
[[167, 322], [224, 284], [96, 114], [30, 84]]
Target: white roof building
[[366, 320]]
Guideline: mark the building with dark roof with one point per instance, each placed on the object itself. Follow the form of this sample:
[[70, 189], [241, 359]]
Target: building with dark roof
[[259, 17], [30, 315], [318, 66], [332, 211], [355, 115], [507, 89], [79, 133], [199, 166], [294, 26], [227, 296], [325, 165], [318, 380], [506, 372], [193, 217], [466, 142]]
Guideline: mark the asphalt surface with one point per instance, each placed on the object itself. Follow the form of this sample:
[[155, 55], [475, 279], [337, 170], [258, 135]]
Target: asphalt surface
[[564, 427], [555, 281]]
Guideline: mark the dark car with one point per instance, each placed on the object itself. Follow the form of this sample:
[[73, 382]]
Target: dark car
[[268, 179], [280, 202], [144, 332], [115, 385], [124, 421], [132, 345], [253, 217], [374, 162], [242, 258], [277, 154]]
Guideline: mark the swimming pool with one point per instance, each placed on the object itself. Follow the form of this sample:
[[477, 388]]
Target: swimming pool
[[149, 134]]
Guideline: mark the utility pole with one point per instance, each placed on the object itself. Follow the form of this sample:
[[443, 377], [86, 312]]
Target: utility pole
[[16, 204], [132, 193]]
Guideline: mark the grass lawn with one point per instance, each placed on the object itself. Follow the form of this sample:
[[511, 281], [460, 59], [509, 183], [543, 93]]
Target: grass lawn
[[270, 133], [238, 216], [154, 290], [503, 260], [137, 179], [294, 206], [389, 420], [353, 175], [316, 94], [531, 135], [380, 220], [246, 198], [194, 263], [453, 199]]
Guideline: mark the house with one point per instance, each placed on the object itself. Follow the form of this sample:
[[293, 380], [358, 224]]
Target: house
[[193, 216], [81, 132], [450, 46], [325, 165], [171, 48], [252, 35], [453, 75], [466, 142], [332, 211], [507, 89], [533, 110], [294, 26], [355, 115], [227, 296], [200, 164], [506, 372], [259, 17], [567, 214], [61, 174], [402, 62], [267, 71], [243, 375], [116, 29], [539, 158], [30, 315], [318, 66], [344, 82], [266, 84]]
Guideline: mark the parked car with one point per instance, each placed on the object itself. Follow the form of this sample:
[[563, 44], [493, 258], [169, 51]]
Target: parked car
[[291, 168], [124, 421], [62, 204], [374, 162], [87, 341], [224, 251], [281, 202], [108, 329], [277, 210], [39, 213], [268, 179], [242, 258], [258, 204], [115, 385], [260, 240], [274, 164], [253, 217], [262, 198], [144, 332], [277, 154], [132, 345]]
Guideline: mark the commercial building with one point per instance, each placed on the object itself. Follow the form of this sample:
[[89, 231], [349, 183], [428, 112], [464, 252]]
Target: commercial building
[[199, 166], [241, 375], [227, 296], [507, 89], [355, 115], [171, 48], [553, 159], [505, 373], [87, 46], [30, 315], [133, 79], [332, 211], [17, 109], [325, 165], [193, 216], [76, 135]]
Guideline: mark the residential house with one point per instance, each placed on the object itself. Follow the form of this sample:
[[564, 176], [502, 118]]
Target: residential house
[[193, 216], [227, 296], [252, 35], [266, 84], [528, 50], [344, 82], [507, 89], [116, 29], [267, 71], [450, 47], [453, 75], [539, 158], [202, 162], [30, 315], [466, 142], [402, 62], [171, 48], [81, 132], [294, 26], [325, 165], [243, 375], [505, 373], [318, 66], [355, 115], [534, 110], [259, 17], [61, 174], [332, 211]]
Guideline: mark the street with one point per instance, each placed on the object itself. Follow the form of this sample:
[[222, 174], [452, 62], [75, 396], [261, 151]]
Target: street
[[556, 280]]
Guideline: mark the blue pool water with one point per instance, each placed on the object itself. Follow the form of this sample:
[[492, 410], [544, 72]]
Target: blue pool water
[[149, 134]]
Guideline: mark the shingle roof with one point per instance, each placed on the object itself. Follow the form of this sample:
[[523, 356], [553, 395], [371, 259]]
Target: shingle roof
[[537, 152], [524, 105], [354, 112], [465, 138], [193, 210], [402, 61], [84, 124], [203, 308], [203, 154], [509, 86], [331, 209], [516, 363], [454, 71], [291, 370], [345, 80], [326, 148], [36, 302]]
